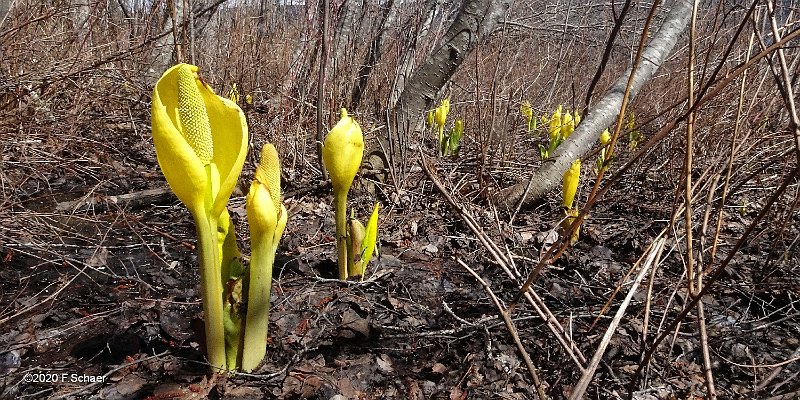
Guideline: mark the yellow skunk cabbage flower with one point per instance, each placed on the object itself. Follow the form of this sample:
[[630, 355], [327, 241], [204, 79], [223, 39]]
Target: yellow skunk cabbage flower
[[569, 188], [194, 130], [429, 119], [602, 162], [576, 117], [570, 184], [527, 111], [342, 152], [440, 117], [555, 125], [605, 137], [341, 155], [267, 217], [567, 125], [233, 94], [201, 142], [248, 99]]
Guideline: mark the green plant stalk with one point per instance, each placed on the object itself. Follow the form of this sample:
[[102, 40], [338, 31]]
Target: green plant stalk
[[341, 232], [258, 292], [233, 339], [211, 289], [351, 253], [441, 140], [231, 269]]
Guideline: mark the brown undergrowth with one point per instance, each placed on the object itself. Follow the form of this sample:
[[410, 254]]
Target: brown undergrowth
[[98, 276]]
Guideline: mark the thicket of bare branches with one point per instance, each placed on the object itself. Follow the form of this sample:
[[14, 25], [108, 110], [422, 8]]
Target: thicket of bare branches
[[718, 120]]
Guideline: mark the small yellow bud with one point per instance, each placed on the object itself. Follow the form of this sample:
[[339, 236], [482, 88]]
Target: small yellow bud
[[342, 152], [605, 137]]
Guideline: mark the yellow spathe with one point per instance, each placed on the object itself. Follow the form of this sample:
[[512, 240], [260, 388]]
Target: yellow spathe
[[200, 140], [605, 137], [440, 115], [342, 152], [267, 218], [570, 184]]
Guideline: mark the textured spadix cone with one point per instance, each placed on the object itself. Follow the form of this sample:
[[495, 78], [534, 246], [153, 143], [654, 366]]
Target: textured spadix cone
[[200, 140]]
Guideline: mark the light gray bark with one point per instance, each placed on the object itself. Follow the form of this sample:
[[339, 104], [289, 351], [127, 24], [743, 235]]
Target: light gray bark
[[473, 23], [345, 21], [604, 113], [406, 65]]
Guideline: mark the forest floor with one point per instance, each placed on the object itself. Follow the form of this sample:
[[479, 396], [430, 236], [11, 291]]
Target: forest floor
[[101, 300]]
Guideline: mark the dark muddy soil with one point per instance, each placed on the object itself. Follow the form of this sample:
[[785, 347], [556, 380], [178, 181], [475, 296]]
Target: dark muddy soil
[[101, 300]]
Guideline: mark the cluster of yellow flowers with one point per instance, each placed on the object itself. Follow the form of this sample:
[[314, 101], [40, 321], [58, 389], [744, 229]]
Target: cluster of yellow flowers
[[201, 143], [560, 126], [448, 142]]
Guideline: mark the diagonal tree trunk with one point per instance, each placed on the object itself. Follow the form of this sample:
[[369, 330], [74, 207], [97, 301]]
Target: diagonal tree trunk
[[473, 23], [603, 114], [413, 46]]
